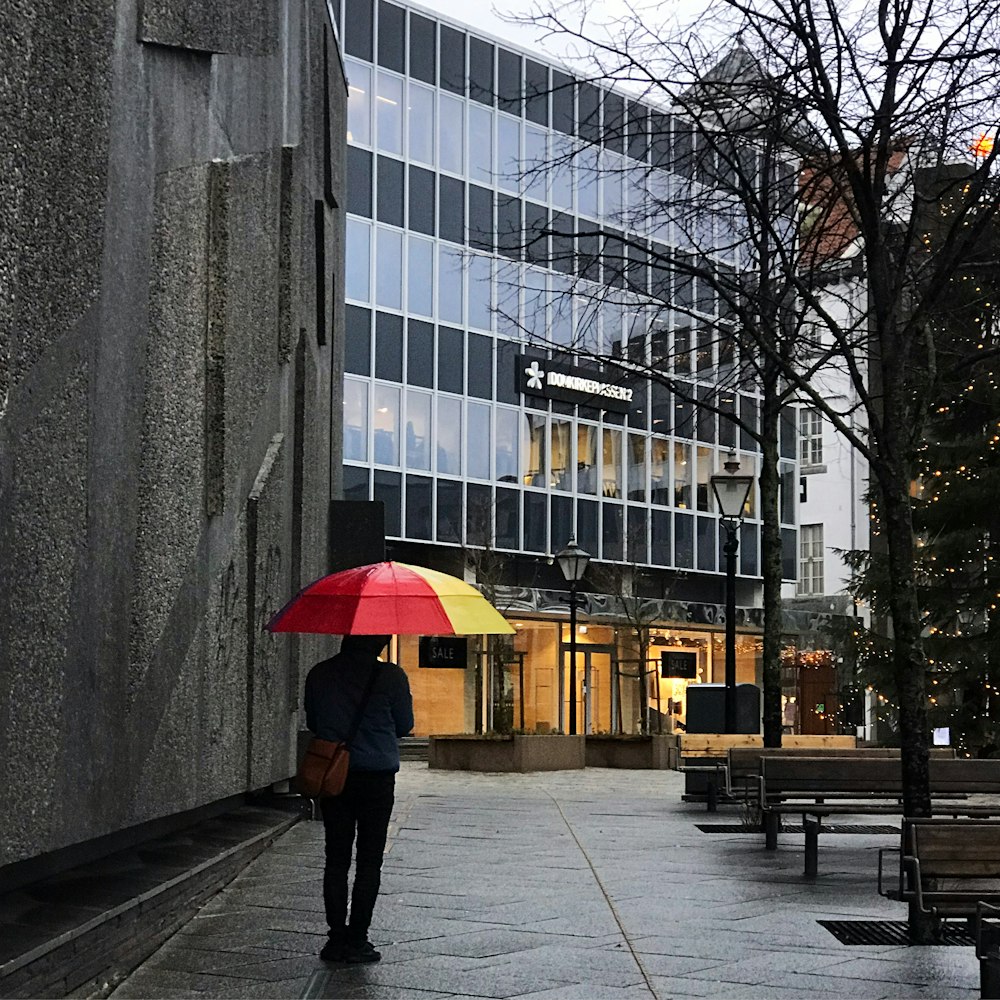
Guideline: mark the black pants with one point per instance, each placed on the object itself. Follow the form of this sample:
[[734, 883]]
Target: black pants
[[365, 805]]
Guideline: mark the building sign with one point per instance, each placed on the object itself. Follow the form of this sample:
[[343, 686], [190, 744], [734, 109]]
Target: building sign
[[549, 380], [675, 663], [443, 651]]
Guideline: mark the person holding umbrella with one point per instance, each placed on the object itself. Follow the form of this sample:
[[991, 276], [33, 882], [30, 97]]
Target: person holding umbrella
[[356, 684], [357, 603]]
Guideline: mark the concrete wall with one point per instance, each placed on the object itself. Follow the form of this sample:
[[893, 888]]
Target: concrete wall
[[171, 225]]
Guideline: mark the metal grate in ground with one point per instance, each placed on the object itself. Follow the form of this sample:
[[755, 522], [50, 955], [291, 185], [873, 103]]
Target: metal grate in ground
[[875, 932], [862, 828]]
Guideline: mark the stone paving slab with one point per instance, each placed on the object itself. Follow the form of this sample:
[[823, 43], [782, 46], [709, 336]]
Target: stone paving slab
[[594, 885]]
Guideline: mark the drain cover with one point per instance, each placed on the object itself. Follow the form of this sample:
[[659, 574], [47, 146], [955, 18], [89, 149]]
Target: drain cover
[[897, 932], [870, 828]]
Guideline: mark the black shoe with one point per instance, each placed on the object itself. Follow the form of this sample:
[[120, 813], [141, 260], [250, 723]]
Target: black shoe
[[333, 951], [359, 954]]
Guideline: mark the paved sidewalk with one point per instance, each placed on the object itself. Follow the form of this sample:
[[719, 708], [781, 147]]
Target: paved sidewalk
[[588, 884]]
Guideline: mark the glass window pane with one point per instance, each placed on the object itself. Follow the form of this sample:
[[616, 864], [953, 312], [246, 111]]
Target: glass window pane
[[452, 60], [481, 86], [355, 483], [359, 28], [561, 329], [480, 144], [480, 292], [535, 302], [355, 420], [708, 533], [451, 210], [420, 276], [659, 454], [358, 253], [449, 436], [611, 186], [359, 181], [561, 523], [533, 443], [508, 154], [586, 525], [418, 430], [562, 172], [636, 467], [586, 182], [612, 531], [452, 134], [389, 269], [477, 450], [505, 456], [509, 83], [389, 102], [562, 457], [359, 103], [611, 463], [682, 476], [683, 540], [536, 164], [660, 530], [450, 276], [706, 461], [586, 458], [386, 422], [637, 549], [421, 124]]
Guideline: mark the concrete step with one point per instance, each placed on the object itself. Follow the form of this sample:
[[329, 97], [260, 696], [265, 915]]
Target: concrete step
[[80, 932], [413, 748]]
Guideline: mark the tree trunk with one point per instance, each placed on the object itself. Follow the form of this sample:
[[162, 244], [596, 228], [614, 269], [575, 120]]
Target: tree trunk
[[771, 563], [643, 688]]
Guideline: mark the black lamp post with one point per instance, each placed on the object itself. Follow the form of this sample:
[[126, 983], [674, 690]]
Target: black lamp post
[[731, 493], [573, 562]]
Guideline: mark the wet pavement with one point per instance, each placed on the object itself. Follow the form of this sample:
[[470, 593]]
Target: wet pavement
[[573, 884]]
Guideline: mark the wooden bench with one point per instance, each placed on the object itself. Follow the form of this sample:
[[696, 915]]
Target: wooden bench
[[704, 756], [946, 866], [739, 775], [815, 787]]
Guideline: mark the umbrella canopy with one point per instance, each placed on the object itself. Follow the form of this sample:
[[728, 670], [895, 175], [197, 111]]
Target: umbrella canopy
[[390, 598]]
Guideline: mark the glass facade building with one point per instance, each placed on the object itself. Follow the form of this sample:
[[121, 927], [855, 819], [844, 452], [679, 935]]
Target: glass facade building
[[488, 196]]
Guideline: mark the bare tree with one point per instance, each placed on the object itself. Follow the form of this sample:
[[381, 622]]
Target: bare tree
[[886, 100]]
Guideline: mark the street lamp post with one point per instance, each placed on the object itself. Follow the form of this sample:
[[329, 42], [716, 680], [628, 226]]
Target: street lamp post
[[731, 491], [573, 562]]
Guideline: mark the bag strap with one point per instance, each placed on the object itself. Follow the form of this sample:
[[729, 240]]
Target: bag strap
[[362, 705]]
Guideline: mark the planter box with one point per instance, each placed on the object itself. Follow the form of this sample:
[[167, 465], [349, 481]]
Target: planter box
[[654, 752], [506, 753]]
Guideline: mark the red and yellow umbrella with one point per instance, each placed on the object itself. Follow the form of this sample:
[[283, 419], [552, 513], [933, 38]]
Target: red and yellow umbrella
[[390, 598]]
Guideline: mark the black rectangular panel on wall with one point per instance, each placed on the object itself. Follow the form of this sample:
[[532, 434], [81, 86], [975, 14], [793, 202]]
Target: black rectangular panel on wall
[[389, 346], [509, 82], [422, 200], [423, 49], [661, 536], [481, 225], [449, 510], [359, 181], [480, 377], [357, 340], [536, 92], [612, 531], [589, 112], [563, 103], [390, 191], [535, 521], [636, 545], [322, 291], [561, 527], [451, 359], [356, 488], [536, 229], [452, 60], [508, 520], [365, 542], [478, 514], [419, 505], [359, 29], [659, 140], [451, 210], [507, 353], [419, 354], [391, 36], [481, 86], [614, 122], [388, 488], [638, 139], [510, 239]]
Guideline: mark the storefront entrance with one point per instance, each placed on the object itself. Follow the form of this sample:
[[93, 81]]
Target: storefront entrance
[[594, 680]]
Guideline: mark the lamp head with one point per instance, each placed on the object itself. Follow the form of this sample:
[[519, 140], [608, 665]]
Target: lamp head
[[731, 489], [573, 561]]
